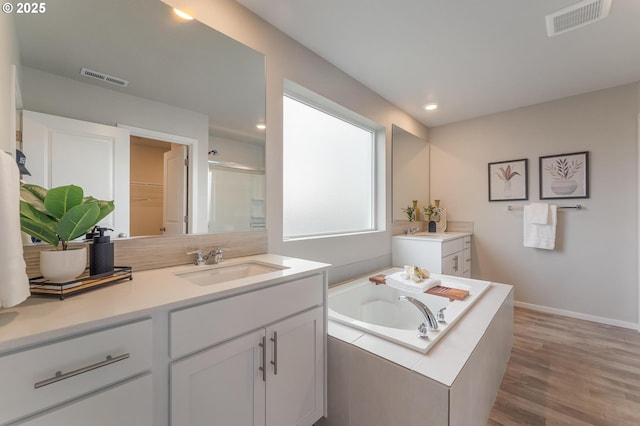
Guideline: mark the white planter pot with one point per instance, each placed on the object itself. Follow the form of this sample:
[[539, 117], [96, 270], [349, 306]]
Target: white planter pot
[[60, 266]]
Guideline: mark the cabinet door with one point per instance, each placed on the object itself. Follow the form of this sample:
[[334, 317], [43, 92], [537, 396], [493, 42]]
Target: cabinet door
[[221, 386], [130, 403], [295, 383], [452, 264]]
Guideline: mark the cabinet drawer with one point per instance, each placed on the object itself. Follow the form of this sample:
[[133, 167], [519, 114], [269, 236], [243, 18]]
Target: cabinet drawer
[[130, 403], [452, 246], [47, 375], [198, 327]]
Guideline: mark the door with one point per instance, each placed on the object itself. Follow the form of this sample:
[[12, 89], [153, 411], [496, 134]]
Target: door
[[175, 193], [295, 383], [221, 386], [452, 264], [62, 151]]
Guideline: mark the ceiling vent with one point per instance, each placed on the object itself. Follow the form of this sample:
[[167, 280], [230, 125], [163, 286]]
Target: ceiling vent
[[577, 15], [104, 77]]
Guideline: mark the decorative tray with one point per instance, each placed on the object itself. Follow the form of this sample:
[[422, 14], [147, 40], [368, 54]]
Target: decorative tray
[[41, 286]]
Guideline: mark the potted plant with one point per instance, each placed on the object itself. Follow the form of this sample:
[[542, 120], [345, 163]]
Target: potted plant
[[58, 216], [436, 217]]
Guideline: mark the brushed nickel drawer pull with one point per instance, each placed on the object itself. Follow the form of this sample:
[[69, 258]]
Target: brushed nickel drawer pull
[[274, 339], [62, 376], [263, 367]]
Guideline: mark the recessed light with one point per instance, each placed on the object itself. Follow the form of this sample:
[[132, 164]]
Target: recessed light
[[182, 14], [431, 106], [261, 126]]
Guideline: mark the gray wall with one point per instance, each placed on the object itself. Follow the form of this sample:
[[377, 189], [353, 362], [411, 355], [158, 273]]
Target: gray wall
[[594, 270], [287, 59]]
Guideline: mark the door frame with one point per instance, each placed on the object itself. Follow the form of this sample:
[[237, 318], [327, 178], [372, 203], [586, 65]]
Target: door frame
[[192, 145]]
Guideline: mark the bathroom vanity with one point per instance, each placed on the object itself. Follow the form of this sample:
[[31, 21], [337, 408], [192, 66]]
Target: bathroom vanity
[[172, 347], [448, 253]]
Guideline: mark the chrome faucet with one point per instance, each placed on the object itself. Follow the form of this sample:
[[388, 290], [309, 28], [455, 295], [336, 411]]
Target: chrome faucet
[[430, 320], [214, 255], [411, 231]]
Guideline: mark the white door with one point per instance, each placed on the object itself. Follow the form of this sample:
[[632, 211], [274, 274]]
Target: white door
[[221, 386], [295, 383], [175, 195], [63, 151]]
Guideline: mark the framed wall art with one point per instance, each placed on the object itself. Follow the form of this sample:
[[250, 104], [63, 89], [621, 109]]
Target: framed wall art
[[564, 176], [509, 180]]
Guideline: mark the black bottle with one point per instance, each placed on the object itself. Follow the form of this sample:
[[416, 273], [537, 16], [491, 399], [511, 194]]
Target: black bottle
[[101, 252]]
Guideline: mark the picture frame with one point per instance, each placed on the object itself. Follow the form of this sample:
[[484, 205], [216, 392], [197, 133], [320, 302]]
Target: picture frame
[[564, 176], [509, 180]]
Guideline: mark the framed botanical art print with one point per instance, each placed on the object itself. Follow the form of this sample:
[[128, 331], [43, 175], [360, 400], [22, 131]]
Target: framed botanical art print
[[564, 176], [508, 180]]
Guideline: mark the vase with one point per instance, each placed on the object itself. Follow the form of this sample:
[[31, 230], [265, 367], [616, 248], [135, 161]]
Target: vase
[[61, 266], [432, 226], [441, 223], [564, 187]]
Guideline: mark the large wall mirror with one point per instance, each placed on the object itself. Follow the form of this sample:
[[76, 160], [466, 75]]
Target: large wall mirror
[[410, 171], [175, 109]]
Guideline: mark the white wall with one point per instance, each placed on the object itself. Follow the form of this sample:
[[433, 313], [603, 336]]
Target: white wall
[[235, 151], [594, 269], [52, 94], [287, 59], [9, 57]]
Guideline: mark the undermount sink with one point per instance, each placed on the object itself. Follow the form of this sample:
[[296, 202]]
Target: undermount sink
[[224, 273]]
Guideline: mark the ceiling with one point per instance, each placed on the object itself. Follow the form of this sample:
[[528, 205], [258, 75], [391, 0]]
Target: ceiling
[[471, 57], [165, 59]]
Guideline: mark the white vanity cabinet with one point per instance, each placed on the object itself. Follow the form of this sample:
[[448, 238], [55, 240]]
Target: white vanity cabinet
[[98, 378], [449, 254], [253, 359]]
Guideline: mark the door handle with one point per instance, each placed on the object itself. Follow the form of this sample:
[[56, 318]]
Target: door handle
[[263, 344], [274, 339]]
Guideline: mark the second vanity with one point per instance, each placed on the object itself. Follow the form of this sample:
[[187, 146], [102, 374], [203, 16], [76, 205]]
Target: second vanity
[[448, 253], [166, 348]]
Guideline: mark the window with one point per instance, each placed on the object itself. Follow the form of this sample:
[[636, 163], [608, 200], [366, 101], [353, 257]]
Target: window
[[329, 181]]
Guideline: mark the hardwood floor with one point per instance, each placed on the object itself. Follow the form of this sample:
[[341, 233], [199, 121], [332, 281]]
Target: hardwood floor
[[565, 371]]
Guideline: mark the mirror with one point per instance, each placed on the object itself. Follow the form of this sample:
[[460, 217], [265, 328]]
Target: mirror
[[187, 84], [410, 172]]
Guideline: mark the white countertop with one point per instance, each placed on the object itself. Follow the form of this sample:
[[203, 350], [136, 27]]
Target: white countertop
[[44, 318], [433, 236]]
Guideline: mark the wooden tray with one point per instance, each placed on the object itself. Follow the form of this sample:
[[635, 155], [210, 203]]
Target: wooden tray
[[41, 286], [439, 290]]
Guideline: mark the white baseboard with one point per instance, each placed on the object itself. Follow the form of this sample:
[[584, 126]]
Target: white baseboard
[[577, 315]]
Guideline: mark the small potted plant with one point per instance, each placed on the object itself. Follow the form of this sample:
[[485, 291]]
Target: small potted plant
[[410, 212], [436, 217], [58, 216]]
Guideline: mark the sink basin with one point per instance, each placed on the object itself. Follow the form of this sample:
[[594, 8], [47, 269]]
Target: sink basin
[[223, 273]]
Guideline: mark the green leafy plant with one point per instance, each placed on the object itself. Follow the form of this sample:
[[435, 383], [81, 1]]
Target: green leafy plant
[[410, 211], [432, 212], [60, 214], [561, 169], [506, 174]]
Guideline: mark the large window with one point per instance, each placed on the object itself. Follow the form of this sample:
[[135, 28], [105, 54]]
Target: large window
[[329, 171]]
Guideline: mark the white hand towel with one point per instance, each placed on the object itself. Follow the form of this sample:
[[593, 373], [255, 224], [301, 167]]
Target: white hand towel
[[398, 280], [537, 235], [14, 283], [540, 213]]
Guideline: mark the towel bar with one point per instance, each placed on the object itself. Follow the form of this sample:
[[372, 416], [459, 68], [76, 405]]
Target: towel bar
[[577, 207]]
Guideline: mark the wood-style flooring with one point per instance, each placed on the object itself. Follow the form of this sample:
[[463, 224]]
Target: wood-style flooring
[[565, 371]]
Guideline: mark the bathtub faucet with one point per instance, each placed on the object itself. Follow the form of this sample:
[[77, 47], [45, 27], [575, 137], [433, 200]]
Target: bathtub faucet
[[430, 320]]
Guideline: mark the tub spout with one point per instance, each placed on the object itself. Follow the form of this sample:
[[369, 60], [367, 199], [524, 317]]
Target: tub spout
[[430, 320]]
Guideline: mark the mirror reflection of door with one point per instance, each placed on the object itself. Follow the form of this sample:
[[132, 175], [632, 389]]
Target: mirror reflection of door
[[158, 187]]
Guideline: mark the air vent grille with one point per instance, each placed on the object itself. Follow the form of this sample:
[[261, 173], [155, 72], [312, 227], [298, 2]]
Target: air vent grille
[[577, 15], [104, 77]]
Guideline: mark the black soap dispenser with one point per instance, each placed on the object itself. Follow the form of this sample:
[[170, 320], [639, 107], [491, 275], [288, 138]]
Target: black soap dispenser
[[101, 252]]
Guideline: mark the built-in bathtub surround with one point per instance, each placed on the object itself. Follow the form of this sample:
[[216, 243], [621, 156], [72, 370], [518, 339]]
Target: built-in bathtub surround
[[143, 253], [378, 310], [375, 382]]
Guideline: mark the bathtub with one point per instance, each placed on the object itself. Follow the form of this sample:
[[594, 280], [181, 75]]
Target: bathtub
[[375, 309]]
